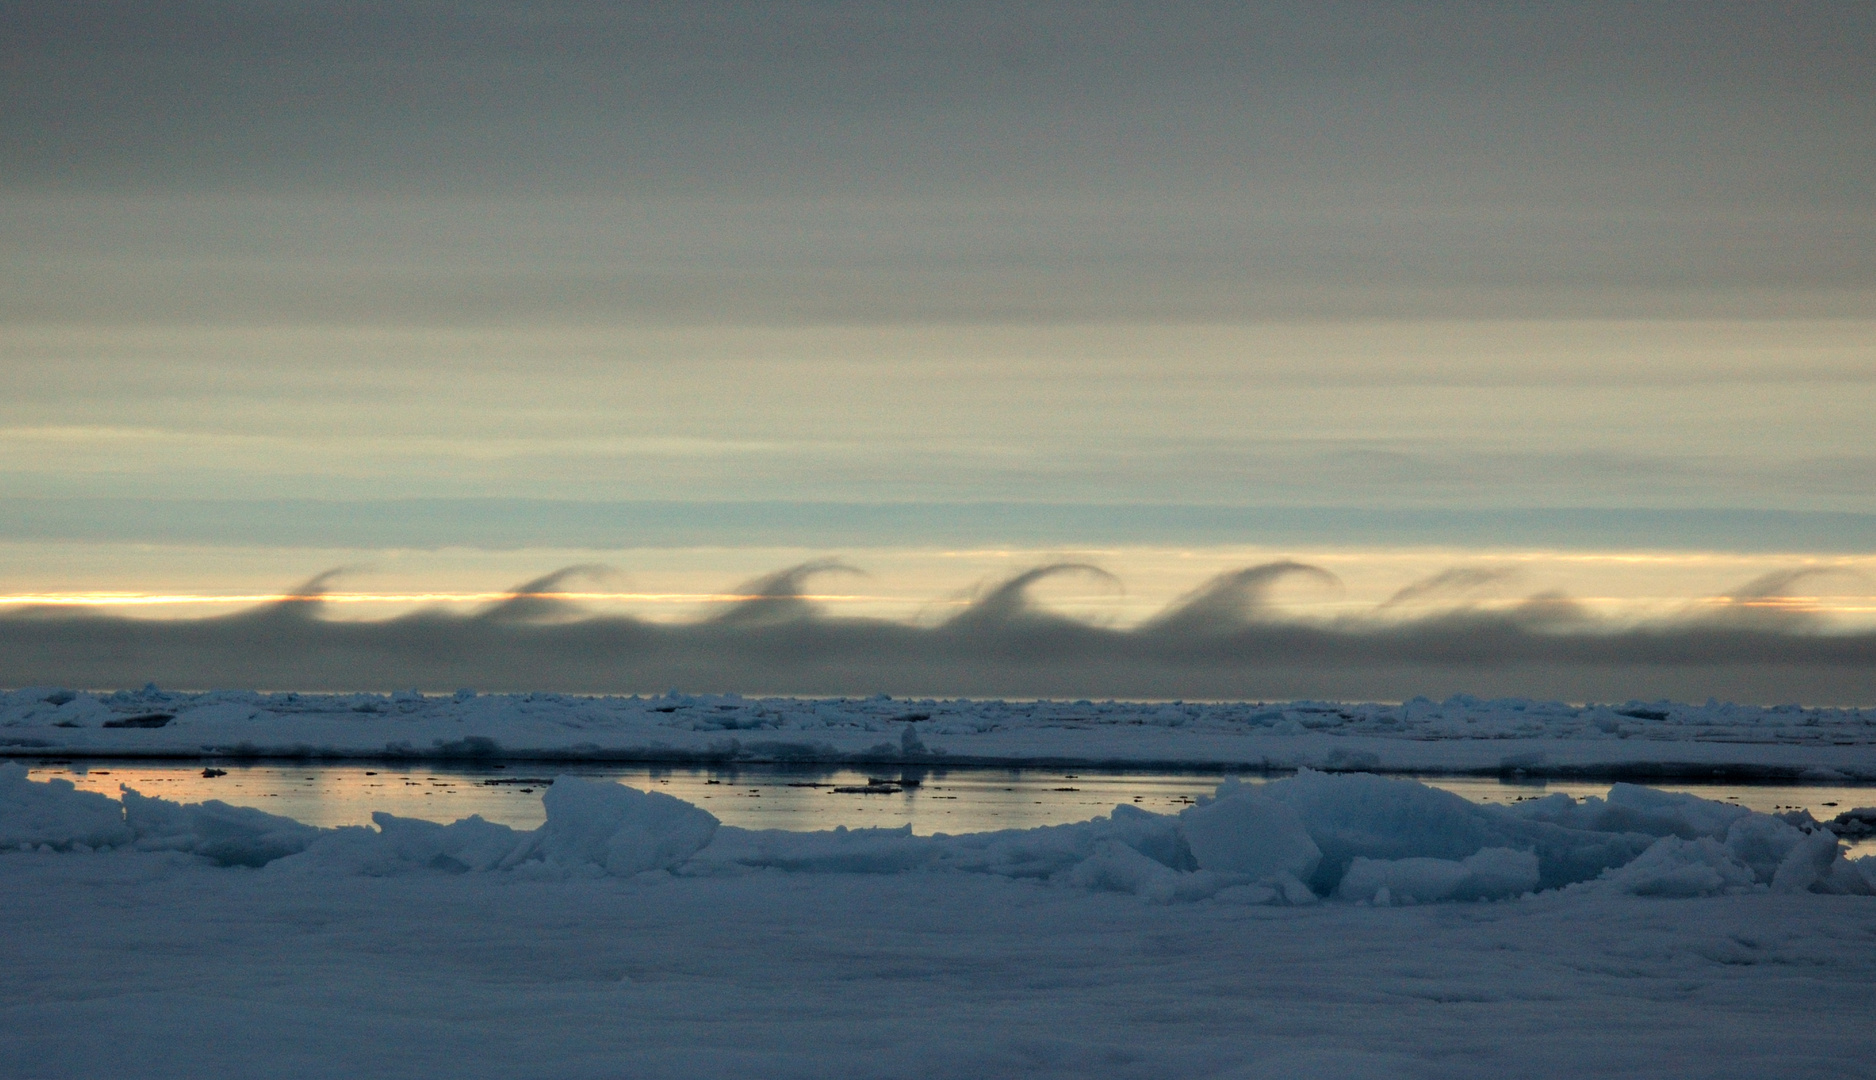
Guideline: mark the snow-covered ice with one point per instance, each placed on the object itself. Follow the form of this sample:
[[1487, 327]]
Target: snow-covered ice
[[1460, 734], [1320, 925], [1350, 835]]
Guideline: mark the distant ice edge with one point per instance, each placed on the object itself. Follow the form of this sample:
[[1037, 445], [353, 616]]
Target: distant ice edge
[[1638, 741], [1350, 837]]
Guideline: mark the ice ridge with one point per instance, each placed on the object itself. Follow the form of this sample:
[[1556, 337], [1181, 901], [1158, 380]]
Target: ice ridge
[[1351, 837]]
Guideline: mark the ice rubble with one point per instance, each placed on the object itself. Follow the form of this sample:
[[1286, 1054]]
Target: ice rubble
[[1487, 874], [1355, 837]]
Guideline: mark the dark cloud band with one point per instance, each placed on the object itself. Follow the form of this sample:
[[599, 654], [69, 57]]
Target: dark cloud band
[[1221, 641]]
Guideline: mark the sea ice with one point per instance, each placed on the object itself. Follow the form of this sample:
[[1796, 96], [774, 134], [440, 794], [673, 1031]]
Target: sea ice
[[1676, 867], [1356, 837], [1461, 733], [1244, 832], [621, 829], [1487, 874], [223, 834], [412, 948], [56, 813]]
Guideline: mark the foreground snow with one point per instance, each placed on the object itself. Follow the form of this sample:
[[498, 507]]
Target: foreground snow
[[1260, 933], [140, 966], [1461, 734]]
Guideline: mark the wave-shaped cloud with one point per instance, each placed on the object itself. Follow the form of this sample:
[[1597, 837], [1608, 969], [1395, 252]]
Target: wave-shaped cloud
[[1223, 640]]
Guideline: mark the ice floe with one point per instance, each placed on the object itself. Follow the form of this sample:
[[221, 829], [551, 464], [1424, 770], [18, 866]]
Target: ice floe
[[1356, 837]]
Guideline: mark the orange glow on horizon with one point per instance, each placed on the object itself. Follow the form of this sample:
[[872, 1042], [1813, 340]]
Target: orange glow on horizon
[[127, 599]]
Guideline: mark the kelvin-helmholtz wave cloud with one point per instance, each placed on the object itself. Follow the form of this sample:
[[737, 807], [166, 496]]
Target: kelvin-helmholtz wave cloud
[[1226, 639]]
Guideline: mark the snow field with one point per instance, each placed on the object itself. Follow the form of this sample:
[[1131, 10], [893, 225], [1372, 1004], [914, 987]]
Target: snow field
[[1291, 929], [154, 964]]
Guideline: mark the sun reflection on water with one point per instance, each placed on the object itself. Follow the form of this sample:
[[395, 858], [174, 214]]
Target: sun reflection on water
[[804, 798]]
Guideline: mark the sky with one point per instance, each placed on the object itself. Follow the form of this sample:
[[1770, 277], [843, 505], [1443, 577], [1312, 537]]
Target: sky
[[1478, 302]]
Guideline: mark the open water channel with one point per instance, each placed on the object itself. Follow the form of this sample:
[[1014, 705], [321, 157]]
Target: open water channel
[[796, 798]]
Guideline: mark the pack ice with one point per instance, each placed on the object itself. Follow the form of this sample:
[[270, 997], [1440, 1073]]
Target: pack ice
[[1460, 734], [1353, 837]]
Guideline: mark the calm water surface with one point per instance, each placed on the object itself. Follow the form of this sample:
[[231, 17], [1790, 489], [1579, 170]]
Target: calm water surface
[[797, 798]]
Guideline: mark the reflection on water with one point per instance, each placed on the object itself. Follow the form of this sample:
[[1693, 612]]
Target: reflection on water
[[802, 798]]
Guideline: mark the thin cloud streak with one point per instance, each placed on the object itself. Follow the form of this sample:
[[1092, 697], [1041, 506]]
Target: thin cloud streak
[[1224, 640]]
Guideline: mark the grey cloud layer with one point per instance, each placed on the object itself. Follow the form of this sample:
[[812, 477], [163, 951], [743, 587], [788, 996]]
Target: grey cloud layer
[[650, 95], [1030, 257], [1221, 641], [414, 162], [507, 524]]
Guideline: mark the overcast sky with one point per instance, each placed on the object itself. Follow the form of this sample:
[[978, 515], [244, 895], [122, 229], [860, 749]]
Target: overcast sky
[[1022, 274], [698, 163]]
